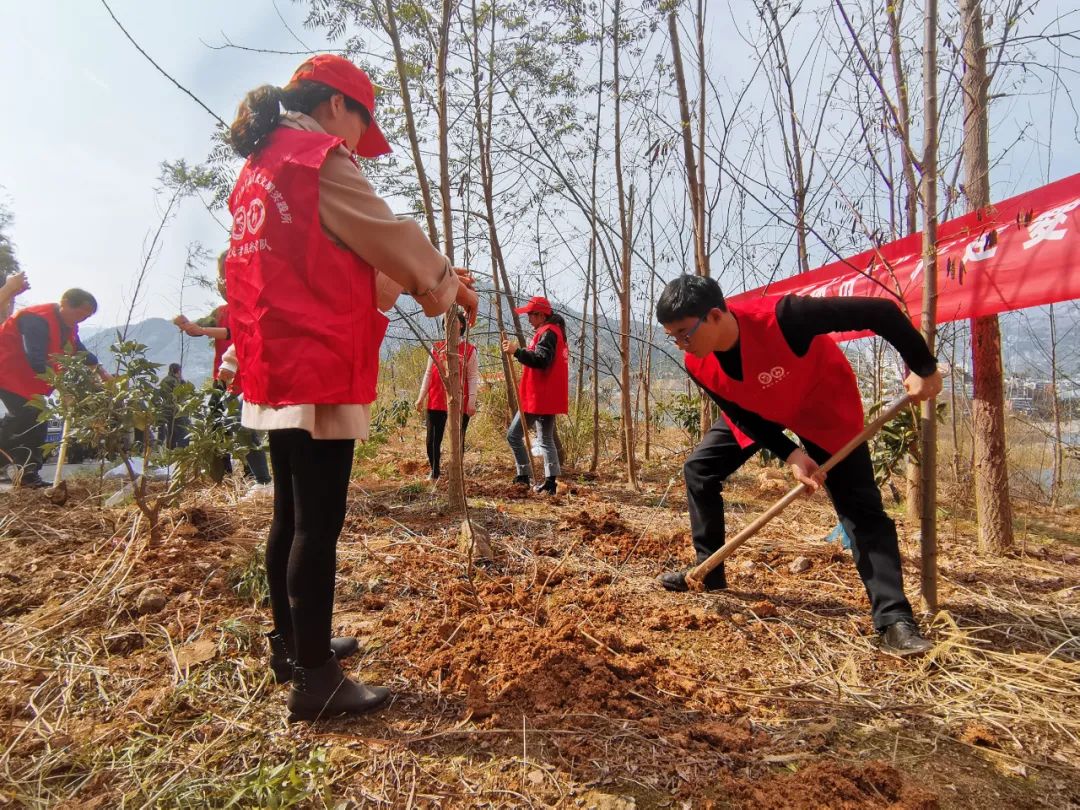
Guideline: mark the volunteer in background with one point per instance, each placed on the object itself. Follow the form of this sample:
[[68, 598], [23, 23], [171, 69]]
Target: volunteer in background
[[544, 390], [432, 397]]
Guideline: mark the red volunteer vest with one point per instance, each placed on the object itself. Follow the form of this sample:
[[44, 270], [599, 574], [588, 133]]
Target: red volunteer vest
[[816, 395], [547, 391], [16, 375], [221, 345], [436, 393], [302, 309]]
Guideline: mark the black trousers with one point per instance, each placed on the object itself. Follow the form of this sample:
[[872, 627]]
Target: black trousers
[[436, 427], [854, 494], [311, 485], [21, 434]]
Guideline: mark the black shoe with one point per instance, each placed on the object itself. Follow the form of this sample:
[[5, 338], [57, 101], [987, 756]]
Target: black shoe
[[31, 480], [325, 692], [521, 481], [676, 580], [281, 658], [903, 638], [549, 486]]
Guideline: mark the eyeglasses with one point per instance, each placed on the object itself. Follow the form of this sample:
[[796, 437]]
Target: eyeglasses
[[688, 335]]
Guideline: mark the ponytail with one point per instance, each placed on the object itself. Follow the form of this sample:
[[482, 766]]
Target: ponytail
[[558, 320], [260, 112], [258, 115]]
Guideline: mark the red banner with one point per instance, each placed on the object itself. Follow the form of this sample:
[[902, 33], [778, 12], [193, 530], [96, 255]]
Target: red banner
[[1019, 253]]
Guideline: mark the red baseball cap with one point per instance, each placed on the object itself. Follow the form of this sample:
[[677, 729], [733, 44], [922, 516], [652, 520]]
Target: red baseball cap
[[341, 74], [536, 304]]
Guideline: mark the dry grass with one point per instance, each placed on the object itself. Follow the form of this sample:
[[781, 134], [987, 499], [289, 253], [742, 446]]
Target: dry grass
[[766, 695]]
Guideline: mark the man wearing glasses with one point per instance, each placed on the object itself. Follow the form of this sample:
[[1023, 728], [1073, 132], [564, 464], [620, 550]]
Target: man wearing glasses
[[770, 365]]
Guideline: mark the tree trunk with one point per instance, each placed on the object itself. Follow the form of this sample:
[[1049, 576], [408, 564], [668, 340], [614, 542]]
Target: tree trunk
[[1056, 485], [390, 24], [626, 216], [695, 193], [927, 421], [993, 507], [456, 472]]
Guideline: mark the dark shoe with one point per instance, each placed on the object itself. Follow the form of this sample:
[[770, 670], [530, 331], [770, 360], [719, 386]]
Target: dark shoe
[[326, 692], [903, 638], [521, 481], [281, 658], [31, 480], [549, 486], [676, 580]]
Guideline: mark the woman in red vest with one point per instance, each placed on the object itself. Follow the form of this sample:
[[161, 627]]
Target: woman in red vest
[[770, 364], [544, 390], [433, 394], [315, 255]]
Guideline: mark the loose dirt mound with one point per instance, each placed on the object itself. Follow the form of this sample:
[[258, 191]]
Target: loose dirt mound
[[511, 657], [836, 785]]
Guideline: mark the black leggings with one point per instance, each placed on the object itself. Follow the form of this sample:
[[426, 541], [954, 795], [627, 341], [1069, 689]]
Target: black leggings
[[436, 427], [311, 485]]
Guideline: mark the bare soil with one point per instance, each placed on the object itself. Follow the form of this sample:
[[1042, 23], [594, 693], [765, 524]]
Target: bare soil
[[559, 675]]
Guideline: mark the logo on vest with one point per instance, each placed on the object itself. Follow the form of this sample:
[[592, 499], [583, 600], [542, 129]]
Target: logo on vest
[[248, 220], [767, 379]]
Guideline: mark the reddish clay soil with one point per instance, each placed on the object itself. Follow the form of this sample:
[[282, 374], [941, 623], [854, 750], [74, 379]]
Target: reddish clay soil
[[563, 654]]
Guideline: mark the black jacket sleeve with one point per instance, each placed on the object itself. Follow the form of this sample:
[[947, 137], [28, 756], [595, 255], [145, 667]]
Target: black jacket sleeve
[[544, 353], [91, 358], [769, 435], [35, 336], [803, 318]]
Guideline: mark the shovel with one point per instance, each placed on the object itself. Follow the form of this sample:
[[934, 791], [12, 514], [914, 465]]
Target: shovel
[[696, 577], [57, 493]]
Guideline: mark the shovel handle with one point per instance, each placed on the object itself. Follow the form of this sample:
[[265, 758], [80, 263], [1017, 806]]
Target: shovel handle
[[697, 575]]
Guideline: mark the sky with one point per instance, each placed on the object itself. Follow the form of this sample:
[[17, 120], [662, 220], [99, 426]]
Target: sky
[[88, 122], [79, 163]]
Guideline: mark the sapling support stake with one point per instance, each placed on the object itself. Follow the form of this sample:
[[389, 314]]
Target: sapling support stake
[[696, 577]]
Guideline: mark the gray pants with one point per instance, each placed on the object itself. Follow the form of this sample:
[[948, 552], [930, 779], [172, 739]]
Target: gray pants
[[516, 440]]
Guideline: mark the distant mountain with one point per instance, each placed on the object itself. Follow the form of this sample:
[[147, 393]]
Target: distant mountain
[[163, 342]]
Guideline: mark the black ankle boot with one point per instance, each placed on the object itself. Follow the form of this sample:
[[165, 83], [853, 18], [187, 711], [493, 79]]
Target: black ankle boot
[[549, 486], [521, 481], [281, 657], [324, 691]]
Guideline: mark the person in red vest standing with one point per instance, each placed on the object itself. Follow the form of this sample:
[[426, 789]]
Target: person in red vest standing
[[216, 326], [544, 390], [769, 364], [432, 395], [29, 342], [315, 254]]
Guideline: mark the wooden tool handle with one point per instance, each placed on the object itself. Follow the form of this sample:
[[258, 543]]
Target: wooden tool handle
[[696, 577]]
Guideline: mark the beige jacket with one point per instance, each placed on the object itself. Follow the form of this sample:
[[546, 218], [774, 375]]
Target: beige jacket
[[353, 215]]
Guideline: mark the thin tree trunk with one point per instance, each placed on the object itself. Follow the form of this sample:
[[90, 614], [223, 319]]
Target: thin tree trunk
[[993, 507], [928, 422], [1056, 486], [694, 192], [594, 461], [390, 24], [456, 472], [626, 216]]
